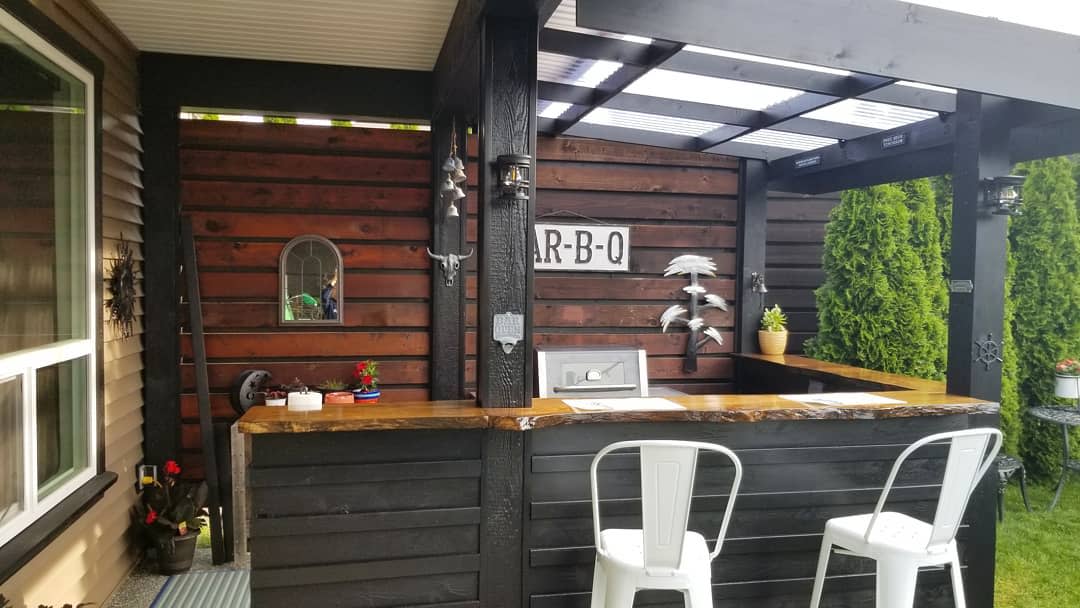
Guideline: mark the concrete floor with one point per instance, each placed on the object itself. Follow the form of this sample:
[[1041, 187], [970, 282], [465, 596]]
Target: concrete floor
[[144, 584]]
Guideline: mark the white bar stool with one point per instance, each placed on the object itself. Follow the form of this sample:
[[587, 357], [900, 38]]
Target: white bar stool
[[663, 555], [901, 544]]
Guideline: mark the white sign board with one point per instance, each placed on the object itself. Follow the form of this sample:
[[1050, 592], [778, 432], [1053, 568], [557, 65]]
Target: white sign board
[[582, 248]]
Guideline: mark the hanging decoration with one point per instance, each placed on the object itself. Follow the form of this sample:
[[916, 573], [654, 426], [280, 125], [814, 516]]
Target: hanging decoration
[[455, 175], [695, 266], [121, 282]]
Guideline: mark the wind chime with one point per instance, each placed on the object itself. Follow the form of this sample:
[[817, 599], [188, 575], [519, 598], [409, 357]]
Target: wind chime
[[695, 266], [455, 175]]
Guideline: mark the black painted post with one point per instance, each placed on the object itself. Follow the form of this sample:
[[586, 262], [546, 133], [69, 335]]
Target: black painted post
[[507, 126], [447, 301], [750, 250], [161, 163], [976, 315]]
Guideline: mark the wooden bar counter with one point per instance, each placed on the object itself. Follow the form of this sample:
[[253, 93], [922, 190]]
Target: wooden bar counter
[[444, 504]]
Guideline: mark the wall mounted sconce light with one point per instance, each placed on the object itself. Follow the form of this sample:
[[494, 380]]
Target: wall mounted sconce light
[[514, 176], [1004, 194]]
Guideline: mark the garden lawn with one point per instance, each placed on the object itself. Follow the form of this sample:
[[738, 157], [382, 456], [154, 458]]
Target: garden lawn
[[1038, 553]]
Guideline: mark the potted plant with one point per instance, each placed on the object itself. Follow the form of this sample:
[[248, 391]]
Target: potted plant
[[168, 515], [275, 397], [366, 389], [773, 335], [1067, 379], [334, 392]]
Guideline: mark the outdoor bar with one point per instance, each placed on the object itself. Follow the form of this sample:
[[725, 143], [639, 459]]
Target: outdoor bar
[[384, 301]]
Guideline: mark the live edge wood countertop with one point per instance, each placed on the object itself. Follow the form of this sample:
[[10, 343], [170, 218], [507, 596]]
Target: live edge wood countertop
[[920, 397]]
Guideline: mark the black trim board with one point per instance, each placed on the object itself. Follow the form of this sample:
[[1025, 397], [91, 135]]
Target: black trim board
[[18, 551]]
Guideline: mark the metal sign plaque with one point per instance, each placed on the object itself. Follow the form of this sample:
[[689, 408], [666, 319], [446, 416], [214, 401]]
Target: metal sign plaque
[[579, 248], [808, 161], [894, 141], [963, 286], [508, 329]]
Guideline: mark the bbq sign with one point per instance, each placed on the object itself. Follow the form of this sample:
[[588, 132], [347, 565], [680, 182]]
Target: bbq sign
[[582, 248]]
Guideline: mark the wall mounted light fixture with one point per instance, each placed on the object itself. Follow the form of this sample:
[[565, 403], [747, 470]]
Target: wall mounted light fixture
[[1004, 194], [514, 176]]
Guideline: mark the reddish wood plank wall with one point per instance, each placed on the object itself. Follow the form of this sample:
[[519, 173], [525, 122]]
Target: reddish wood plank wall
[[796, 237], [249, 189]]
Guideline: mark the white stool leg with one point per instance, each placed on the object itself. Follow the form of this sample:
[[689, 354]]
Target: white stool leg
[[822, 567], [896, 580], [957, 582], [620, 593], [699, 595], [599, 586]]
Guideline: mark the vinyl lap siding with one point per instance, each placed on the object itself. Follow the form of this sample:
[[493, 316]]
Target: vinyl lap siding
[[88, 561]]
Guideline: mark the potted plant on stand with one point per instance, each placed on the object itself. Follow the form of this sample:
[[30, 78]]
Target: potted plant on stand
[[169, 515], [773, 335], [1067, 379], [366, 375]]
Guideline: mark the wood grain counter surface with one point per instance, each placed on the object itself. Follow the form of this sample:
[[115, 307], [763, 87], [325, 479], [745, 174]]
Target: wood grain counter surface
[[920, 397]]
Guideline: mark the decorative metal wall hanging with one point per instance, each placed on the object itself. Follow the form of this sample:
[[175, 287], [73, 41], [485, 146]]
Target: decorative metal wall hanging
[[695, 266], [122, 277], [450, 264], [987, 351], [455, 174]]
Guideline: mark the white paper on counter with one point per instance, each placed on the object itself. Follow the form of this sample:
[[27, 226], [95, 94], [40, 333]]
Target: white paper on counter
[[839, 399], [622, 404]]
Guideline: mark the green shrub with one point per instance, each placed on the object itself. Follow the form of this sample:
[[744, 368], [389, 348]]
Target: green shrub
[[875, 309], [1045, 293], [926, 239]]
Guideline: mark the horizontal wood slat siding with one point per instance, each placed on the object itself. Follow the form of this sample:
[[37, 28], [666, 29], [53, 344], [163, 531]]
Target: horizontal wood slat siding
[[334, 519], [249, 189], [87, 561], [675, 202], [795, 235]]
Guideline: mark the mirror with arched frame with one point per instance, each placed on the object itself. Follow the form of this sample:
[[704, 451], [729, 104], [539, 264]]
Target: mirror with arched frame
[[311, 270]]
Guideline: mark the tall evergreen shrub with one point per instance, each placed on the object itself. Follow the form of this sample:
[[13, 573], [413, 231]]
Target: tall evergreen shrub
[[1045, 243], [926, 240], [875, 309]]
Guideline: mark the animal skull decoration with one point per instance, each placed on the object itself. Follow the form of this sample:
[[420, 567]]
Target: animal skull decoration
[[450, 264]]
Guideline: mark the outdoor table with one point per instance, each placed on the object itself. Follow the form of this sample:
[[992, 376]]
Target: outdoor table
[[1066, 416]]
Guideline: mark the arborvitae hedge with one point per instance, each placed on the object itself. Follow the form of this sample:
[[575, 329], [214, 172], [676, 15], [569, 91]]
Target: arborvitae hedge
[[1045, 243], [875, 309], [926, 239]]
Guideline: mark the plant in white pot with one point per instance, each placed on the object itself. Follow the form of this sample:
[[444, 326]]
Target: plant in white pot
[[773, 335], [1067, 379]]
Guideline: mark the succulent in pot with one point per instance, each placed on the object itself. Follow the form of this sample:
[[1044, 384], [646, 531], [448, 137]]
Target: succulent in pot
[[773, 335], [275, 397], [366, 390]]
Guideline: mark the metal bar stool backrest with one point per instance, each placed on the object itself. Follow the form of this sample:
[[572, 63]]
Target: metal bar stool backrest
[[668, 469], [970, 455]]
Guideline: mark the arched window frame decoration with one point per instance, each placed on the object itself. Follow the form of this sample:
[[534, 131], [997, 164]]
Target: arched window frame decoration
[[282, 285]]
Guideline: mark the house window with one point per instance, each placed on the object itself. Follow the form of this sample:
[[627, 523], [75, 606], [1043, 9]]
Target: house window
[[48, 270]]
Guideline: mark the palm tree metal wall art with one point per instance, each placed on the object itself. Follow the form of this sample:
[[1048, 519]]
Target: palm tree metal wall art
[[695, 266]]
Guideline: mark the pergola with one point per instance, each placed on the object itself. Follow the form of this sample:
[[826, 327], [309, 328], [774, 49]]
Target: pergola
[[813, 96]]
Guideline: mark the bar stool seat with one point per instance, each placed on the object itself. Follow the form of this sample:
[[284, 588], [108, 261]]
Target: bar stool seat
[[627, 550], [894, 533]]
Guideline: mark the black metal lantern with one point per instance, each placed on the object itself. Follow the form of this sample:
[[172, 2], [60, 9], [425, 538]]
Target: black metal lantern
[[514, 176], [1004, 194]]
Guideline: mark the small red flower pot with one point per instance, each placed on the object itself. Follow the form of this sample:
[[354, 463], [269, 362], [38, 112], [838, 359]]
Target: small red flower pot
[[367, 397]]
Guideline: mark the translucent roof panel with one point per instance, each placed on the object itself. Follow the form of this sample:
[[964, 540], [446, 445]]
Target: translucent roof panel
[[928, 87], [572, 70], [759, 59], [1054, 15], [565, 18], [870, 114], [708, 89], [782, 139], [551, 109], [649, 122]]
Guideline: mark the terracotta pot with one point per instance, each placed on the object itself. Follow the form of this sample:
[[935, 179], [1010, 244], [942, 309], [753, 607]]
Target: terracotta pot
[[338, 398], [772, 342], [367, 397], [181, 557]]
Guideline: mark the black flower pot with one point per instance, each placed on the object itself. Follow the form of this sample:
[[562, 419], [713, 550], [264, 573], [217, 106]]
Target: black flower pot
[[183, 554]]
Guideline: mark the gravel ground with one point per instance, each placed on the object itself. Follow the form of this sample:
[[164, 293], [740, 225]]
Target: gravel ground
[[140, 589]]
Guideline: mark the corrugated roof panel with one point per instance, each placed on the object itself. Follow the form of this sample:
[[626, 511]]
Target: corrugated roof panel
[[572, 70], [708, 89], [403, 34], [783, 139], [870, 114], [649, 122]]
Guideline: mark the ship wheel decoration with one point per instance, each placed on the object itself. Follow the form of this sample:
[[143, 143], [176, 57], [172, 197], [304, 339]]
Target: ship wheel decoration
[[987, 351], [691, 316], [121, 282]]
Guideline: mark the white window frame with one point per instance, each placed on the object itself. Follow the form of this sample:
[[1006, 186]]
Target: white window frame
[[25, 363]]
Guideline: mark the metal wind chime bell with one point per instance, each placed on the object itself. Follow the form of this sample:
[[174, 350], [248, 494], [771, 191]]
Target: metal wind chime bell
[[455, 175]]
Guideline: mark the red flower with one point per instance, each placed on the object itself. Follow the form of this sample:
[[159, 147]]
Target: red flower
[[366, 380], [171, 468], [151, 516]]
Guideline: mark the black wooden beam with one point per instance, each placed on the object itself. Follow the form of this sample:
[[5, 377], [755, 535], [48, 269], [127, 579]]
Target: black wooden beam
[[894, 39], [913, 97], [589, 46], [1055, 139], [507, 126], [457, 69], [750, 250], [976, 315]]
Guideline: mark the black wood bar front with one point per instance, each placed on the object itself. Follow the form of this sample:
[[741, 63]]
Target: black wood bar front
[[468, 517]]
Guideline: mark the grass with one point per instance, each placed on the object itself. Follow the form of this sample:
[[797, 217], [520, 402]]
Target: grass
[[1038, 553]]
